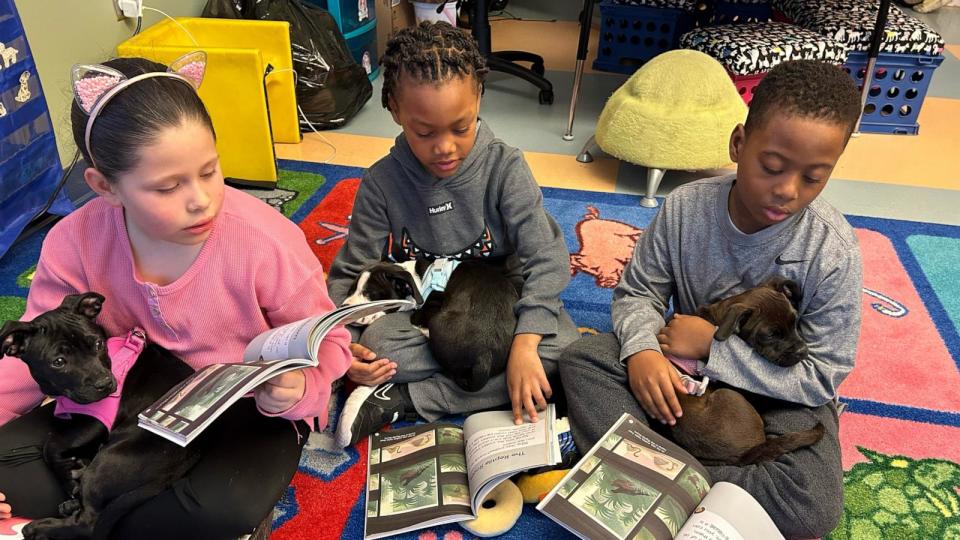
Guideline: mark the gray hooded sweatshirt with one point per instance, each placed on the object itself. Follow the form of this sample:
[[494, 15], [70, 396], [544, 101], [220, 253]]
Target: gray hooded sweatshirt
[[693, 254], [491, 207]]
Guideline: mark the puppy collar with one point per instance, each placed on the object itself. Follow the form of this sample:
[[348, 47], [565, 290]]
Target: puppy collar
[[436, 276], [687, 369], [124, 352]]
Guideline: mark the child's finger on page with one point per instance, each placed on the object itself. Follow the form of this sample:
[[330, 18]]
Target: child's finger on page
[[529, 405], [517, 409]]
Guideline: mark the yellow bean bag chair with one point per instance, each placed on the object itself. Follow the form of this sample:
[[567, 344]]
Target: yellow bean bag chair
[[676, 112]]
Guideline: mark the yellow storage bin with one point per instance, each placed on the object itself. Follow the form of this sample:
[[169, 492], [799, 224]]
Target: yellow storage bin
[[245, 106]]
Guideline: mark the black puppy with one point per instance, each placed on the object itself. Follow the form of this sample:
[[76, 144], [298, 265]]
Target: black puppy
[[721, 426], [470, 324], [117, 470]]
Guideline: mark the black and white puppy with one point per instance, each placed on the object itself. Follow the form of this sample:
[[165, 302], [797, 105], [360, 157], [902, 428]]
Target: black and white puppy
[[469, 325]]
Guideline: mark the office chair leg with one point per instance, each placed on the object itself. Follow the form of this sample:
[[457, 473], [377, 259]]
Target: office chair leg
[[536, 61], [585, 156], [653, 182], [495, 63]]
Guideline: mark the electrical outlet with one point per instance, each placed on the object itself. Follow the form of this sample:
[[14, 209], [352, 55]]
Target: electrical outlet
[[130, 9], [116, 10]]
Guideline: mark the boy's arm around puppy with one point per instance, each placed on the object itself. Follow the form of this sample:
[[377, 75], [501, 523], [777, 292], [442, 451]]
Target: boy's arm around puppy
[[682, 254]]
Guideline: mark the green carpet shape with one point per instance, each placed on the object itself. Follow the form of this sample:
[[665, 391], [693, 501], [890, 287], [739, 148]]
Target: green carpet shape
[[899, 498]]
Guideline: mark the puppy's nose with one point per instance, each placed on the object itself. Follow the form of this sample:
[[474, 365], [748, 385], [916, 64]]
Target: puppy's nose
[[104, 384]]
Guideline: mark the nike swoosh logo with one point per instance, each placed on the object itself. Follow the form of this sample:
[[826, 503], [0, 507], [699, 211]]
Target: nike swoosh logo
[[780, 260], [381, 393]]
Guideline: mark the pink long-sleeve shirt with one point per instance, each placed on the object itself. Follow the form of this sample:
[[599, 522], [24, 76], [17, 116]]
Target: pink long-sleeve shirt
[[254, 272]]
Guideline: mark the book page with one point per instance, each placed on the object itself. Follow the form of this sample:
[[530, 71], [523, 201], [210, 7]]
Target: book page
[[288, 341], [301, 339], [416, 477], [729, 513], [633, 483], [186, 409], [496, 448]]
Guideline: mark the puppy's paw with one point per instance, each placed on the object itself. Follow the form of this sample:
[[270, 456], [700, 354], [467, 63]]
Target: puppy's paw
[[38, 529], [69, 507]]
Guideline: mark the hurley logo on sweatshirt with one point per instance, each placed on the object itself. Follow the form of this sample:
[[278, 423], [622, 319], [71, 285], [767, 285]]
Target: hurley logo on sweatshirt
[[440, 208]]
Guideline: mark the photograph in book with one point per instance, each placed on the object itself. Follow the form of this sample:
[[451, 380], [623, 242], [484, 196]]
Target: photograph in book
[[437, 473], [635, 484], [188, 408], [414, 487]]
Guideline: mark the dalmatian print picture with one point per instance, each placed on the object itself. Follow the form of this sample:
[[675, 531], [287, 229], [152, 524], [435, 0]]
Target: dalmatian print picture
[[24, 93]]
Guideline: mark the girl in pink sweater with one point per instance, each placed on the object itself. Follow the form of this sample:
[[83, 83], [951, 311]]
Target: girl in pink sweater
[[203, 268]]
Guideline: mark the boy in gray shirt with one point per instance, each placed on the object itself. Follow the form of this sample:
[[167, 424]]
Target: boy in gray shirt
[[717, 237]]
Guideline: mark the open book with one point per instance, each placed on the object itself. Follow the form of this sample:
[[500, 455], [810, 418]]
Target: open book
[[189, 407], [636, 484], [440, 473]]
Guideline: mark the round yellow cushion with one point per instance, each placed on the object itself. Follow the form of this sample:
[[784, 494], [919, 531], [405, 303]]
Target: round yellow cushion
[[501, 516], [675, 112], [535, 487]]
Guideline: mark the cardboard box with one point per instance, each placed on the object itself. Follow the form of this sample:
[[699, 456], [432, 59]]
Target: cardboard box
[[392, 16]]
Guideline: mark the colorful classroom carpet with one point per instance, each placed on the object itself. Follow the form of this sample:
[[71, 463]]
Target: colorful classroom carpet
[[899, 433]]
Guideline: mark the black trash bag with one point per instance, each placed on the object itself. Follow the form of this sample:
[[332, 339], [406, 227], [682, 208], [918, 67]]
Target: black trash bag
[[331, 86]]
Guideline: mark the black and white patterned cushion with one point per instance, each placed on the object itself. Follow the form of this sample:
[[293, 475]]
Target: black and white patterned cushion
[[852, 22], [685, 5], [746, 49]]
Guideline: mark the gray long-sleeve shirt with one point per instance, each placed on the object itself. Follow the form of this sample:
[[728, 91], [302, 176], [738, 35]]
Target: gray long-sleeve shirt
[[693, 254], [491, 207]]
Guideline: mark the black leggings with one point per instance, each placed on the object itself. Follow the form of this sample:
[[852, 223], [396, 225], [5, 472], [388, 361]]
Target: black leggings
[[226, 495]]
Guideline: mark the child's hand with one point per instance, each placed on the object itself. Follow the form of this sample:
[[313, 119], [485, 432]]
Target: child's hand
[[279, 393], [5, 511], [363, 369], [526, 380], [687, 336], [655, 383]]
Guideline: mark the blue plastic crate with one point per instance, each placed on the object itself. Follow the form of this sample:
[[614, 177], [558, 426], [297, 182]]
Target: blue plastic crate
[[632, 35], [349, 14], [897, 91], [362, 43], [732, 12]]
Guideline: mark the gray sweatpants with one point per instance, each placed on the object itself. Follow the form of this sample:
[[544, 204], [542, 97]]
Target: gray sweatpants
[[802, 491], [434, 394]]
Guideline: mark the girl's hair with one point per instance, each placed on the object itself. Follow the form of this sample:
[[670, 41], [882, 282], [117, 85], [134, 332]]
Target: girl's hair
[[430, 52], [136, 116]]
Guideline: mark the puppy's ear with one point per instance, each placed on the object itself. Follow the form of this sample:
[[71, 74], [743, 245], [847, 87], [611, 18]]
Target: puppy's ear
[[14, 337], [87, 304], [791, 290], [732, 321], [406, 286]]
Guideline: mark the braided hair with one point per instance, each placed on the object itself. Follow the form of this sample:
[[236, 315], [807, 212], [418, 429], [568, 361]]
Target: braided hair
[[430, 52], [806, 89]]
